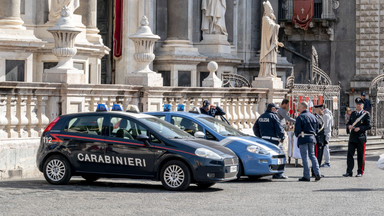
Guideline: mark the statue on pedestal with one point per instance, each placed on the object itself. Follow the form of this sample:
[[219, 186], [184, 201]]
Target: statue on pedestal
[[56, 6], [269, 42], [213, 17]]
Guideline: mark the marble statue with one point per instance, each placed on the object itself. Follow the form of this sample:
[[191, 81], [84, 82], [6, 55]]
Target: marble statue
[[55, 7], [213, 17], [269, 42]]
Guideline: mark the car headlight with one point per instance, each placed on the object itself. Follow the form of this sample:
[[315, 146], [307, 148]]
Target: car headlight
[[206, 153], [257, 149]]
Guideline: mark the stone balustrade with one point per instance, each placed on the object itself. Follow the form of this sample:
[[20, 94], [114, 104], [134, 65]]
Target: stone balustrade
[[27, 108]]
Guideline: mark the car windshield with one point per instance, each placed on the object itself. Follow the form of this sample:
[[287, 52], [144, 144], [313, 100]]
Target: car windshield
[[220, 127], [165, 129]]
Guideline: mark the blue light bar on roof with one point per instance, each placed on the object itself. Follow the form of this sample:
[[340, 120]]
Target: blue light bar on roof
[[180, 107], [167, 107], [117, 107], [101, 108]]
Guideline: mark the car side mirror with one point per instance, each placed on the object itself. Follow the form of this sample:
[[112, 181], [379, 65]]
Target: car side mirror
[[199, 134], [143, 138]]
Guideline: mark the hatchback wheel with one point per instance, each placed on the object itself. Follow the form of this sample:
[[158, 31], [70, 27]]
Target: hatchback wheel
[[57, 170], [175, 175]]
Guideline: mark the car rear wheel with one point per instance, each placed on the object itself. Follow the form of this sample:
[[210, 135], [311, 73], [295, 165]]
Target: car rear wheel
[[90, 178], [205, 185], [57, 170], [175, 175]]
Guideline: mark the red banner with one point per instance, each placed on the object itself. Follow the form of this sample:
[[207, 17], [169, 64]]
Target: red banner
[[118, 29], [303, 13]]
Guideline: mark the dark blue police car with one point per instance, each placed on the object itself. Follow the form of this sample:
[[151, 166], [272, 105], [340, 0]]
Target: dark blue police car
[[123, 144]]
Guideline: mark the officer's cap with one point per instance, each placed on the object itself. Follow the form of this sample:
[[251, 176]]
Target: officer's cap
[[206, 104], [319, 106], [359, 100], [270, 106], [363, 94]]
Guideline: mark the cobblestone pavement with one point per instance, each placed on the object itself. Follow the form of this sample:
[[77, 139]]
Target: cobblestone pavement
[[333, 195]]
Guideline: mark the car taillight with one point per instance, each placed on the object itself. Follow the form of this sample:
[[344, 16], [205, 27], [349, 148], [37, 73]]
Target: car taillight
[[50, 126]]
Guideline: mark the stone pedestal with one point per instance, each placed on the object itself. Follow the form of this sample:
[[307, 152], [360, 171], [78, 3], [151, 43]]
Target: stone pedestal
[[268, 82], [214, 44], [145, 78], [71, 76], [212, 80]]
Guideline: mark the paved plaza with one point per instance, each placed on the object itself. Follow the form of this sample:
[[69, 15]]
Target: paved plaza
[[333, 195]]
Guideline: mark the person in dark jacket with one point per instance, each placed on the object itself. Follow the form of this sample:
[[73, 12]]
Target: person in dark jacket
[[320, 136], [367, 102], [211, 110], [358, 124], [268, 127], [306, 128]]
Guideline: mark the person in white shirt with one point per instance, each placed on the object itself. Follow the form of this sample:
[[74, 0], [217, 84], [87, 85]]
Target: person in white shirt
[[328, 123]]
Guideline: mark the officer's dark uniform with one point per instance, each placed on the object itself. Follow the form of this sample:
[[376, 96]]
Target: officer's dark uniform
[[212, 112], [357, 140], [268, 127], [306, 128], [320, 138]]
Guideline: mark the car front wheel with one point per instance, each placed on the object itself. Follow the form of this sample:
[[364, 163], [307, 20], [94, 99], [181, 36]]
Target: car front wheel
[[175, 175], [57, 170]]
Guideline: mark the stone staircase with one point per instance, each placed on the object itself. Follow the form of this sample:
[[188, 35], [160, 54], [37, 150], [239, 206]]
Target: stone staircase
[[340, 144]]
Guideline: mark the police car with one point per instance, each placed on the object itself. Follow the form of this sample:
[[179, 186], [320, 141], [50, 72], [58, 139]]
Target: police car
[[257, 157], [124, 144]]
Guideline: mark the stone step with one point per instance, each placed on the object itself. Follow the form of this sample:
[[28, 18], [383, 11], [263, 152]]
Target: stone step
[[340, 145]]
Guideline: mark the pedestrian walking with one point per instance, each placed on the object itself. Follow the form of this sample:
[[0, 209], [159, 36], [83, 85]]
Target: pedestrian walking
[[211, 110], [358, 124], [268, 127], [306, 128], [328, 124]]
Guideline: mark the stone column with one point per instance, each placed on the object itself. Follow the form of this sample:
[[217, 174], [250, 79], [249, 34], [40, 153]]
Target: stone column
[[178, 53], [10, 14], [91, 24]]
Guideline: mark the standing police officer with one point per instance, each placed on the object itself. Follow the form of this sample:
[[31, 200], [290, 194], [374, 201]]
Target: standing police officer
[[306, 128], [358, 124], [268, 127], [320, 136]]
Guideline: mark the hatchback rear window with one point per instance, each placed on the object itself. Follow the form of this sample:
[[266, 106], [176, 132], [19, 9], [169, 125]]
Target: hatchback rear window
[[86, 125]]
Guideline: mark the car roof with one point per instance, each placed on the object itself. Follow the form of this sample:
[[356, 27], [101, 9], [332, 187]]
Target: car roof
[[130, 114], [188, 114]]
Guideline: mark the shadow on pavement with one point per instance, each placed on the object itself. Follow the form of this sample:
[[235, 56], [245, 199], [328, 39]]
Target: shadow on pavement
[[98, 186], [350, 190]]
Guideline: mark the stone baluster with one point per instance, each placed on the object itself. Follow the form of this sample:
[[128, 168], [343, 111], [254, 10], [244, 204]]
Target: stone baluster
[[126, 102], [32, 116], [174, 104], [252, 113], [235, 116], [3, 117], [227, 110], [42, 115], [13, 121], [262, 105], [195, 102], [21, 112], [247, 117], [188, 104], [240, 119]]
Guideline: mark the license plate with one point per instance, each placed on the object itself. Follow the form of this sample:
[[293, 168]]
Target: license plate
[[233, 169], [280, 161]]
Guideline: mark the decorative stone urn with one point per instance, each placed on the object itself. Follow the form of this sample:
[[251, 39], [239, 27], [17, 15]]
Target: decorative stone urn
[[144, 41], [212, 80], [64, 34]]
